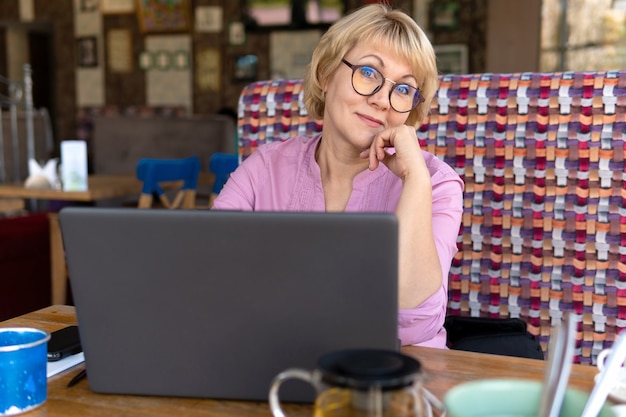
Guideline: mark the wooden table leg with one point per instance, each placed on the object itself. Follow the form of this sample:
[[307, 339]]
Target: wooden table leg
[[11, 205], [57, 262]]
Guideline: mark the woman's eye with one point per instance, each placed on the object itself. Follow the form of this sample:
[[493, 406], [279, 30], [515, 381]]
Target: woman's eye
[[369, 72], [403, 89]]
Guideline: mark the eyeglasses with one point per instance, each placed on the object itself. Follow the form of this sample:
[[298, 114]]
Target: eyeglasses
[[367, 80]]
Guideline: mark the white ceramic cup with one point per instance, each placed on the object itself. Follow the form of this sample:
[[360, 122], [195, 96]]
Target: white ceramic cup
[[618, 391]]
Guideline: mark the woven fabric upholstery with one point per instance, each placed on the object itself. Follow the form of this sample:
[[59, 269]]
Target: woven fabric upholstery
[[542, 157], [270, 111]]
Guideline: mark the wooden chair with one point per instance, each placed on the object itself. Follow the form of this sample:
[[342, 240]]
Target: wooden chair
[[171, 174]]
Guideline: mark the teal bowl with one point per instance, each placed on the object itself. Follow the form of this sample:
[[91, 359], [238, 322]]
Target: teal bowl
[[510, 398]]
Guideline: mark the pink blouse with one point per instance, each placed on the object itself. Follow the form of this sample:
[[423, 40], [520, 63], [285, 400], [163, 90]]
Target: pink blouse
[[284, 176]]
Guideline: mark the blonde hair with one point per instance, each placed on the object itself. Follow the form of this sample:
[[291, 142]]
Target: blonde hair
[[380, 25]]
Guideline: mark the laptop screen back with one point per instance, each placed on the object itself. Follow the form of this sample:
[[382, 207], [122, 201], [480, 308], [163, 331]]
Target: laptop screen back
[[215, 304]]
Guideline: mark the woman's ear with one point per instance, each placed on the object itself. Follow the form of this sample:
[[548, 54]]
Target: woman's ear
[[324, 91], [323, 81]]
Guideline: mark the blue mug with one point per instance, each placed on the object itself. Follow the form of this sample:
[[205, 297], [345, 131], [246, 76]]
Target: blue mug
[[23, 374]]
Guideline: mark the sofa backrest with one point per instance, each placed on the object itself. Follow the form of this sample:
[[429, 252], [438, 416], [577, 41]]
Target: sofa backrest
[[118, 137], [542, 157], [269, 111]]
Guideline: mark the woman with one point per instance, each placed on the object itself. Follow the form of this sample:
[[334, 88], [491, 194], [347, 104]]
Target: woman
[[371, 80]]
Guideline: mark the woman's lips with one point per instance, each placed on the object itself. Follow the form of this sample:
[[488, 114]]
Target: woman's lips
[[370, 121]]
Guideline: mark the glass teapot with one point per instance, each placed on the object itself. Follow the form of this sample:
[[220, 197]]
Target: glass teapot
[[362, 383]]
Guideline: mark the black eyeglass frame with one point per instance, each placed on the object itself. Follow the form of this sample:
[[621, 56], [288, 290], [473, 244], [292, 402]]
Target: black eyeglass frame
[[354, 68]]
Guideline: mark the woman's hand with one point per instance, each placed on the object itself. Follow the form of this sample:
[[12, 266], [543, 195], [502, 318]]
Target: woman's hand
[[407, 158], [419, 271]]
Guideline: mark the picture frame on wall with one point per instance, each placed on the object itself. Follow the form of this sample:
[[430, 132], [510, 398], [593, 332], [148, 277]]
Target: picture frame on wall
[[87, 51], [208, 69], [208, 19], [452, 58], [119, 51], [246, 67], [87, 6], [117, 6], [164, 16], [444, 15], [236, 33]]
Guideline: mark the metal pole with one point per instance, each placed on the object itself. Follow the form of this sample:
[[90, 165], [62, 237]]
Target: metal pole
[[11, 100], [14, 92], [28, 106]]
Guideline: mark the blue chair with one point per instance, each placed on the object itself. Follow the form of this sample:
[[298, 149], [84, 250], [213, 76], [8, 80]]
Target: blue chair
[[221, 165], [157, 174]]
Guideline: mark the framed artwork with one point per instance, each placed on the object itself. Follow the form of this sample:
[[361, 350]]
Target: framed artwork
[[208, 69], [452, 58], [246, 67], [87, 51], [163, 16], [119, 51], [117, 6], [208, 19], [236, 33], [444, 15], [88, 5]]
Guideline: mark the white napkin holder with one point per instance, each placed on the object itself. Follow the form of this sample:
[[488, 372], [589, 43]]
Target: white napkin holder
[[74, 165]]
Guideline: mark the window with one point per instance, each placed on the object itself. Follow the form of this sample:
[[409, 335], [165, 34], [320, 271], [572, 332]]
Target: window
[[583, 35], [292, 14]]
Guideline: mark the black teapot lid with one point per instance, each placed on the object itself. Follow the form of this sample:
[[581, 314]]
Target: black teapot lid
[[366, 368]]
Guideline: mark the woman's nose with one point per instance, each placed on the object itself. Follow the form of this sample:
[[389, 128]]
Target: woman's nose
[[382, 96]]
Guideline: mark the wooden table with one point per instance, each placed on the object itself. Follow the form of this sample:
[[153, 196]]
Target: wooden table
[[444, 369], [100, 187]]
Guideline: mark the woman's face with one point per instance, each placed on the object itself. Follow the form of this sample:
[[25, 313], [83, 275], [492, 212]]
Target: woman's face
[[354, 118]]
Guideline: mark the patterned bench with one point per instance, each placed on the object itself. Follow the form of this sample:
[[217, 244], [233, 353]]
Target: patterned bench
[[542, 157]]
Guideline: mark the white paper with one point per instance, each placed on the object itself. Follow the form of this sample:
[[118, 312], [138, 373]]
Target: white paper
[[56, 367], [74, 165]]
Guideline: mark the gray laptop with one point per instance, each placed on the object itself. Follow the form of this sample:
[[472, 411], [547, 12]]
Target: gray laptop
[[215, 304]]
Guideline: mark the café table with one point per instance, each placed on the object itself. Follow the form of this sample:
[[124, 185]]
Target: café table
[[100, 187], [443, 370]]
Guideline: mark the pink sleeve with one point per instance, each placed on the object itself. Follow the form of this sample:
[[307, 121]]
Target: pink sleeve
[[238, 192], [423, 325]]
